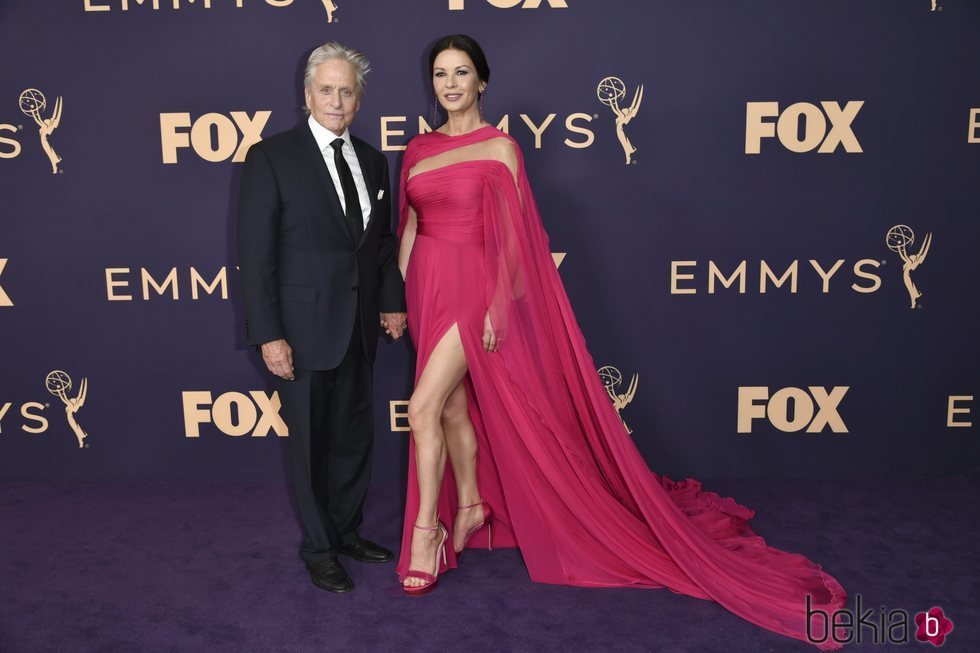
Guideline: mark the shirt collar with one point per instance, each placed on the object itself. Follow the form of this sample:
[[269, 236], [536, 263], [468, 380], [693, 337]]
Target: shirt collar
[[324, 137]]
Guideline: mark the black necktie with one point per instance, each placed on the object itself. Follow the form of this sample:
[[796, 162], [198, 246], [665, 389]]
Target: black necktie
[[355, 220]]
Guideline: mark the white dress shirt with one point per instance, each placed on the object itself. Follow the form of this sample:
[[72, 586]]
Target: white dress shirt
[[324, 137]]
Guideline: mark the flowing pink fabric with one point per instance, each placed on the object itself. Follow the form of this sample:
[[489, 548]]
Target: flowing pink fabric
[[565, 480]]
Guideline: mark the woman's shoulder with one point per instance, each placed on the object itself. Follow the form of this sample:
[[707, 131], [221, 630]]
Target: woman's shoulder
[[504, 148], [416, 146], [500, 138]]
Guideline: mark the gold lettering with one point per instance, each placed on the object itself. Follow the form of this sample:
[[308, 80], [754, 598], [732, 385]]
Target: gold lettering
[[748, 409], [778, 409], [14, 145], [398, 412], [42, 422], [676, 276], [827, 403], [840, 127], [537, 131], [221, 414], [198, 280], [111, 283], [951, 413], [459, 5], [125, 4], [227, 137], [194, 415], [715, 273], [251, 129], [826, 275], [755, 128], [973, 136], [387, 132], [575, 129], [767, 273], [3, 411], [269, 406], [871, 276], [815, 126], [91, 7], [4, 297], [148, 281], [170, 138]]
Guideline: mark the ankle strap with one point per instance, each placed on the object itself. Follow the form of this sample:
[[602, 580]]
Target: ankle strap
[[472, 505], [426, 528]]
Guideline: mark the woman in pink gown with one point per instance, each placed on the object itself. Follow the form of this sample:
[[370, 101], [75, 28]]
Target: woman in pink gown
[[507, 391]]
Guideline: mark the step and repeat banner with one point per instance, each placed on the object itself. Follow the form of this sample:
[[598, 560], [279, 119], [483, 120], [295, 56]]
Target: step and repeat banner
[[765, 213]]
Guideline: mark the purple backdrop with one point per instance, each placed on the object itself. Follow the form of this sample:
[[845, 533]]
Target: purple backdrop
[[864, 116]]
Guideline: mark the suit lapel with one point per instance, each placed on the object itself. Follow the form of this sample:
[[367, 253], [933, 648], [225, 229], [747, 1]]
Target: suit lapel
[[315, 158]]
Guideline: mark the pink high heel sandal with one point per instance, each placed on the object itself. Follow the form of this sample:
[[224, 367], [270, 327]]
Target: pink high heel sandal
[[487, 521], [430, 580]]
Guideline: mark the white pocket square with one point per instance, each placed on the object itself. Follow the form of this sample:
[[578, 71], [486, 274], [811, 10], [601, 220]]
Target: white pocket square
[[381, 193]]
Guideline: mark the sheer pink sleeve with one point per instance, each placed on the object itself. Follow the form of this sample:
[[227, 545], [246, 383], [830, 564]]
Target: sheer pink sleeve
[[540, 341], [545, 355]]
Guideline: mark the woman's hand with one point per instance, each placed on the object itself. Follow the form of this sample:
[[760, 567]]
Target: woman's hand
[[489, 338]]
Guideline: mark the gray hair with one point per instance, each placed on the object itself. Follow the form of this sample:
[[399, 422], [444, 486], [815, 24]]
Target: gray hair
[[334, 50]]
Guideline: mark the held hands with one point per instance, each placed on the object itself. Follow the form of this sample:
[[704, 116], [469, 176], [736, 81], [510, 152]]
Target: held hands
[[278, 357], [394, 324], [490, 341]]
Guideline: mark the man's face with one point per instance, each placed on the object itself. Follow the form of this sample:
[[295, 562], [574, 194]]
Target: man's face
[[332, 97]]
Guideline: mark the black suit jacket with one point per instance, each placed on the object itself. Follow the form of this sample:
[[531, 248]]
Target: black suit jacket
[[302, 275]]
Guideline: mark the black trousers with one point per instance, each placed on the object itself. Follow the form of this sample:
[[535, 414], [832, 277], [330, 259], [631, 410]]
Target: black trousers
[[331, 434]]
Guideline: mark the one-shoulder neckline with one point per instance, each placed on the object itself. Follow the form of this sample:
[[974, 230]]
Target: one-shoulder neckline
[[472, 131], [453, 164]]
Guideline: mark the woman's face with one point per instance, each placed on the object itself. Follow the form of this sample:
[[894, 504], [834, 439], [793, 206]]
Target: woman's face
[[455, 81]]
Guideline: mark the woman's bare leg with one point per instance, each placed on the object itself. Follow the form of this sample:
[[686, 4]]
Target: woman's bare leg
[[443, 372], [461, 442]]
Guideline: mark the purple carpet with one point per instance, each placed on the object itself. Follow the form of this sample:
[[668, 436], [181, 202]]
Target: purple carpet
[[214, 567]]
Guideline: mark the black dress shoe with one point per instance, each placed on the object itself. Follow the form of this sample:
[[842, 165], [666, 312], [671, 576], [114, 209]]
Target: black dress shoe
[[329, 575], [364, 551]]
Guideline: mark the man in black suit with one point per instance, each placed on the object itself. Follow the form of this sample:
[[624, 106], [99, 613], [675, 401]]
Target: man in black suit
[[319, 273]]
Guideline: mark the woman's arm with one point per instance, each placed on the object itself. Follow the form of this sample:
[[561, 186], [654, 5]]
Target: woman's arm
[[407, 242]]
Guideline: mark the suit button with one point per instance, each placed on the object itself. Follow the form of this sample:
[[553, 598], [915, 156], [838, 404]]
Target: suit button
[[354, 288]]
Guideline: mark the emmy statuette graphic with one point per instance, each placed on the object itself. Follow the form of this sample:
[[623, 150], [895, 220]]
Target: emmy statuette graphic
[[610, 91], [612, 378], [58, 384], [330, 7], [33, 103], [898, 238]]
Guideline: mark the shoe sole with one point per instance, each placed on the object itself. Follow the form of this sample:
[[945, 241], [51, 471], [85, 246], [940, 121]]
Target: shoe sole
[[374, 562], [419, 591], [333, 590]]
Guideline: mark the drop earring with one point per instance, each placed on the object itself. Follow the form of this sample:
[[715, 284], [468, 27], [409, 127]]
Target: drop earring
[[435, 113]]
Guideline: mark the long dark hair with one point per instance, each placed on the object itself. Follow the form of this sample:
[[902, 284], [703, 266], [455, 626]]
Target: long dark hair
[[466, 44]]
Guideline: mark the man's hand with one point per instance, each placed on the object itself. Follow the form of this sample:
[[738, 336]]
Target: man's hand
[[278, 357], [394, 324]]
